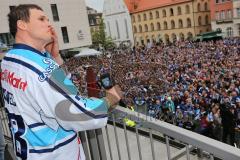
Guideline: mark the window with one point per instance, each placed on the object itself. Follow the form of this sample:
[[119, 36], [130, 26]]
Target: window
[[142, 40], [229, 32], [179, 11], [174, 37], [152, 27], [126, 27], [229, 14], [146, 28], [92, 22], [118, 34], [165, 25], [199, 20], [151, 15], [187, 9], [133, 19], [65, 34], [198, 7], [172, 24], [159, 39], [139, 18], [140, 28], [147, 39], [181, 35], [166, 38], [217, 16], [144, 17], [171, 12], [158, 26], [206, 20], [157, 14], [54, 12], [134, 29], [238, 12], [153, 39], [205, 6], [6, 38], [222, 15], [217, 1], [189, 36], [164, 13], [189, 24], [180, 23], [135, 40]]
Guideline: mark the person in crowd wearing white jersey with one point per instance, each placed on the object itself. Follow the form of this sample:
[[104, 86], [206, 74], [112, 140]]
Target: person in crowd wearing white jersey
[[44, 108]]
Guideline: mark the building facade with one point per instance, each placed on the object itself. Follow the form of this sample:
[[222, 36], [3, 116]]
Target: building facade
[[117, 22], [236, 17], [69, 19], [168, 20], [94, 19], [222, 16]]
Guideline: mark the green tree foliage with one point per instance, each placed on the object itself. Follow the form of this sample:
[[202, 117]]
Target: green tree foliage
[[99, 38]]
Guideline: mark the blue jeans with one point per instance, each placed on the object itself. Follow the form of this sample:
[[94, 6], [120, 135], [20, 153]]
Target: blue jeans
[[2, 143]]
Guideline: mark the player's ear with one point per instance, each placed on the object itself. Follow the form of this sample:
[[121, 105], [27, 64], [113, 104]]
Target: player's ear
[[21, 25]]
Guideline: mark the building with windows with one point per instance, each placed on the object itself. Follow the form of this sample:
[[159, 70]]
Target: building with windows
[[69, 19], [222, 16], [236, 18], [94, 19], [168, 20], [117, 22]]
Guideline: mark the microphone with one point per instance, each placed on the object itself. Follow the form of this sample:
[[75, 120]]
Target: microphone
[[107, 83]]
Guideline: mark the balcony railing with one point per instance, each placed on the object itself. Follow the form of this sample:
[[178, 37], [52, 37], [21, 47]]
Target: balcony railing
[[192, 141], [98, 144]]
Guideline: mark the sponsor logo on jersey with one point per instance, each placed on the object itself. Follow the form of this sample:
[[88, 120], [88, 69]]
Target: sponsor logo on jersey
[[12, 80], [8, 97], [51, 66]]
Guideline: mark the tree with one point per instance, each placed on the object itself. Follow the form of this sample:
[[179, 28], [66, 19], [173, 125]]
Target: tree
[[99, 38]]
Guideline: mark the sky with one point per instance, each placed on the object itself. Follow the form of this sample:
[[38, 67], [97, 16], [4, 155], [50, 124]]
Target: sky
[[96, 4]]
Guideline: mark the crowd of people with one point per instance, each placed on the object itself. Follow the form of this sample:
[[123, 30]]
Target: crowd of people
[[195, 85]]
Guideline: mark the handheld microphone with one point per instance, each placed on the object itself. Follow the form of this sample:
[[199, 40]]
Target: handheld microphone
[[107, 83]]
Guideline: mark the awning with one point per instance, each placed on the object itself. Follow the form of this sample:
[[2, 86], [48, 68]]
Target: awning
[[211, 36], [88, 52]]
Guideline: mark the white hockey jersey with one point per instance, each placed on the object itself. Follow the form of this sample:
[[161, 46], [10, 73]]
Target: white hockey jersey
[[44, 108]]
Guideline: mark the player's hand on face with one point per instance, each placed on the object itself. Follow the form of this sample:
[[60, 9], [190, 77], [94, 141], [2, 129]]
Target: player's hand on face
[[53, 46]]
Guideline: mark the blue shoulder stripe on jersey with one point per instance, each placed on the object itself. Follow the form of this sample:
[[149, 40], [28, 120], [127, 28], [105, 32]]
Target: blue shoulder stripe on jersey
[[56, 87], [46, 136], [14, 60], [35, 125], [54, 148], [32, 56], [29, 55], [26, 47]]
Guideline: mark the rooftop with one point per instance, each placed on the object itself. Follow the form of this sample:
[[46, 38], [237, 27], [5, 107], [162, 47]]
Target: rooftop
[[142, 5]]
